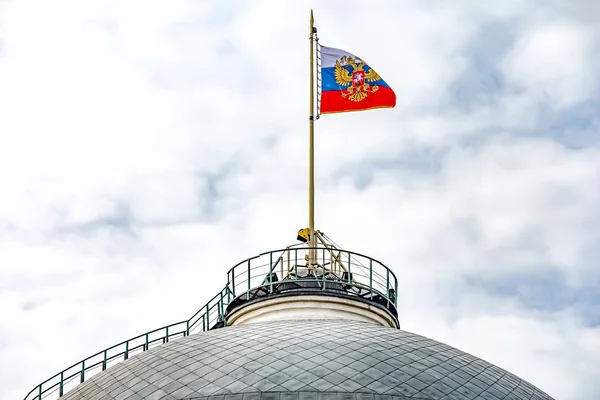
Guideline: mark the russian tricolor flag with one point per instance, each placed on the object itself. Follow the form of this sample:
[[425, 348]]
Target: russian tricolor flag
[[349, 84]]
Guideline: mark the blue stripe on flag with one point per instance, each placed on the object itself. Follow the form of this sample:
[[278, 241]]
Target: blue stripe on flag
[[329, 83]]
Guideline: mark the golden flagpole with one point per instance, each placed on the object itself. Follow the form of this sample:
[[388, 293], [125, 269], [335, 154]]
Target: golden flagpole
[[311, 146]]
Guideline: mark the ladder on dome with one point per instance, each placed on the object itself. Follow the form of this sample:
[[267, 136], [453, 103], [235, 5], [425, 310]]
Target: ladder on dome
[[210, 316]]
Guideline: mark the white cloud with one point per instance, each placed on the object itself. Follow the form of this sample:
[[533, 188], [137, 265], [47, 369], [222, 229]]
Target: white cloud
[[145, 149], [554, 62]]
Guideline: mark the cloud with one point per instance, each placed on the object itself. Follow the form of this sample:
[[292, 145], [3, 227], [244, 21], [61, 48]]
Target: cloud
[[554, 63], [141, 158]]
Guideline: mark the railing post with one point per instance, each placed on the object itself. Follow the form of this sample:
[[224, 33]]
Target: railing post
[[219, 306], [207, 317], [166, 340], [332, 262], [204, 323], [187, 327], [371, 277], [40, 392], [248, 277], [233, 282], [82, 371], [349, 271], [127, 350], [60, 388], [227, 287], [271, 272], [387, 286], [396, 293], [104, 361], [323, 263], [323, 288], [146, 345]]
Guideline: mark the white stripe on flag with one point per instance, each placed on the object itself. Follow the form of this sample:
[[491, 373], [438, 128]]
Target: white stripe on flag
[[329, 56]]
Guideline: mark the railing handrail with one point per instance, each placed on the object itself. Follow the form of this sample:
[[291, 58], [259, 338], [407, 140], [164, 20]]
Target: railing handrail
[[106, 350], [314, 248], [364, 272], [61, 379]]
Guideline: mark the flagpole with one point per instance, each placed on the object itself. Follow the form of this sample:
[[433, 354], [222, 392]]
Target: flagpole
[[311, 157]]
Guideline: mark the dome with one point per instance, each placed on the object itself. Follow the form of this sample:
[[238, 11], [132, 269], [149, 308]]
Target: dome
[[305, 360]]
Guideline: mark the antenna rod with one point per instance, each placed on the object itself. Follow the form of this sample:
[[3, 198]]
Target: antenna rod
[[311, 158]]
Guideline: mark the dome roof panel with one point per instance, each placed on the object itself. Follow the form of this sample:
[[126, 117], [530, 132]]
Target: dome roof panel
[[312, 359]]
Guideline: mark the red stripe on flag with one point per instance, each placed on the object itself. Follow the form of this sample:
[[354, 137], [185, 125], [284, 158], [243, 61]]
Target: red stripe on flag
[[333, 102]]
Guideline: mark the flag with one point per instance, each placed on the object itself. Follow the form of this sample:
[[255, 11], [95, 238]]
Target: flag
[[349, 84]]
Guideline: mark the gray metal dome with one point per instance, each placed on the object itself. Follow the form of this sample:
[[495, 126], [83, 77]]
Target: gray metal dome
[[305, 360]]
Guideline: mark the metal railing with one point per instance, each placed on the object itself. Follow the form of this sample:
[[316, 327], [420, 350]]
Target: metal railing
[[271, 273], [211, 316], [281, 271]]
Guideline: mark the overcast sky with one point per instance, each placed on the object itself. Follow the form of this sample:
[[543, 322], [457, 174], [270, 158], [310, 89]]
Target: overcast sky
[[146, 147]]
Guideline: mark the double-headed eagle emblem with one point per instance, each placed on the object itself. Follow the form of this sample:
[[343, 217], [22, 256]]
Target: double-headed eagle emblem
[[356, 81]]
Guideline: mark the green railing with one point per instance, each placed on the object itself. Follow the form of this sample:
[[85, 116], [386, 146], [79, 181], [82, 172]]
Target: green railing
[[210, 316], [339, 272]]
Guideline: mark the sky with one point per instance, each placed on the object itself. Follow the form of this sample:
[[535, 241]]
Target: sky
[[146, 147]]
